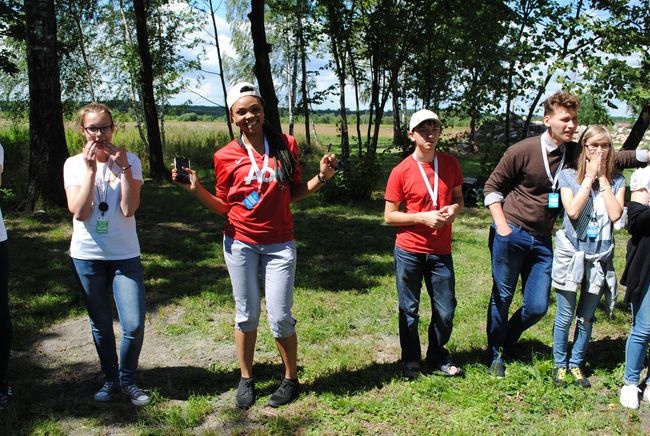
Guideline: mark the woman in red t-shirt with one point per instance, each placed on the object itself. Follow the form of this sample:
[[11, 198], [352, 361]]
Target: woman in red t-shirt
[[258, 175]]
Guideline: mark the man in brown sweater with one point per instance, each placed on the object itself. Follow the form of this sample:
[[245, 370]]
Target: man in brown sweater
[[524, 201]]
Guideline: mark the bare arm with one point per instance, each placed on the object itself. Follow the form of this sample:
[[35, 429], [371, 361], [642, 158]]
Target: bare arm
[[393, 216], [457, 204], [130, 190], [499, 218], [613, 202], [210, 201], [80, 197]]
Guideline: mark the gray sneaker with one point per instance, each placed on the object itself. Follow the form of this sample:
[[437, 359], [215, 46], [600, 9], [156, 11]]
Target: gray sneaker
[[105, 393], [137, 396], [245, 396]]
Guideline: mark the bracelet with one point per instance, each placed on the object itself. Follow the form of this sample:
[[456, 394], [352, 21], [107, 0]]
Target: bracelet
[[321, 179], [123, 169], [605, 188]]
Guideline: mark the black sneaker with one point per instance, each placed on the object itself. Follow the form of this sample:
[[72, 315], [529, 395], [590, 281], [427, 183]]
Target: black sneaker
[[245, 394], [560, 376], [411, 370], [5, 398], [497, 369], [288, 392], [579, 378]]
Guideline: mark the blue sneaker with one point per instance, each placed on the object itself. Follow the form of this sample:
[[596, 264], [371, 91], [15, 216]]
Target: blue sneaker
[[105, 393], [137, 396]]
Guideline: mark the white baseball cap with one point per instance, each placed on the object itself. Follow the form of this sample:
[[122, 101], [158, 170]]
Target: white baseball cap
[[421, 116], [239, 90]]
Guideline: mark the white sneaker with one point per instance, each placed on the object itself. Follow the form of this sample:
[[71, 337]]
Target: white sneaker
[[630, 396]]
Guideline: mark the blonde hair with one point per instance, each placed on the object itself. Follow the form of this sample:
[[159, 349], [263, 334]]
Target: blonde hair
[[92, 107], [595, 130]]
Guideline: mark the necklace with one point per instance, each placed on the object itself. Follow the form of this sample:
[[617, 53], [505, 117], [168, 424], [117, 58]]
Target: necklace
[[103, 205]]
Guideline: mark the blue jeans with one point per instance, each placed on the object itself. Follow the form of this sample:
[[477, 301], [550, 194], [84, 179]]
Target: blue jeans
[[566, 306], [637, 341], [528, 255], [437, 270], [5, 318], [125, 278]]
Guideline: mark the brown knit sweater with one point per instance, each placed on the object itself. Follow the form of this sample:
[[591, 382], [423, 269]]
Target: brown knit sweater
[[522, 180]]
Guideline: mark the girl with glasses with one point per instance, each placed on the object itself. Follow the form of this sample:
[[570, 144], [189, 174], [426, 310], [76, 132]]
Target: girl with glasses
[[592, 195], [102, 185]]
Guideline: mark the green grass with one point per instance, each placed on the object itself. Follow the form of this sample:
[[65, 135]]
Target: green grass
[[345, 301]]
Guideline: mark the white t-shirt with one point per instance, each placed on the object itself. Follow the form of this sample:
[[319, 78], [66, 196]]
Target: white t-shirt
[[640, 179], [3, 230], [93, 239]]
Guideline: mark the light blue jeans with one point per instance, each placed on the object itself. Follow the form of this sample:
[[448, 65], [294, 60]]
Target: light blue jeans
[[637, 341], [566, 306], [528, 255], [126, 281], [277, 265]]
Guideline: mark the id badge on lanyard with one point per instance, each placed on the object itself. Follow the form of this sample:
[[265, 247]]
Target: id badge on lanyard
[[553, 196], [256, 173]]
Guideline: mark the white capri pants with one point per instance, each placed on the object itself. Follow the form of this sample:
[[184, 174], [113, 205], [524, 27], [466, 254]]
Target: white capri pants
[[277, 265]]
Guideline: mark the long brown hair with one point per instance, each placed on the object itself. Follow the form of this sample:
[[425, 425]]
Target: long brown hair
[[594, 130]]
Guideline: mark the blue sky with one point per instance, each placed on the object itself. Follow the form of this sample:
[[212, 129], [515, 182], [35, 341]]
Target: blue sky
[[210, 87]]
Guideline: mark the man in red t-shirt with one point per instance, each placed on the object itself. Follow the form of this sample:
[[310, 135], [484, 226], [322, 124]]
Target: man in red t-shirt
[[423, 196]]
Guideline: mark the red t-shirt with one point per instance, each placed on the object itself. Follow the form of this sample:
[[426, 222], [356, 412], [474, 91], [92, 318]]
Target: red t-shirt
[[270, 220], [406, 186]]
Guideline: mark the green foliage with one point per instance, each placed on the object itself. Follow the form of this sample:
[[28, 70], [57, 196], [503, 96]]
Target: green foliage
[[190, 116], [354, 182], [592, 111]]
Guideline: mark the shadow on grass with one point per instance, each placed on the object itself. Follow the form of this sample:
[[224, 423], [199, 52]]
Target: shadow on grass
[[182, 247], [364, 379], [66, 391], [606, 353]]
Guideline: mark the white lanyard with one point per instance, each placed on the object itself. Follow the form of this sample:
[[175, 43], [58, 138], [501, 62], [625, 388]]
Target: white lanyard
[[255, 171], [103, 182], [547, 167], [432, 192]]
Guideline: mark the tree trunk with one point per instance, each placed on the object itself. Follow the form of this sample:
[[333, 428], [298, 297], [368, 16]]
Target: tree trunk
[[82, 48], [262, 67], [157, 166], [136, 92], [336, 31], [47, 147], [221, 76], [303, 65], [638, 129]]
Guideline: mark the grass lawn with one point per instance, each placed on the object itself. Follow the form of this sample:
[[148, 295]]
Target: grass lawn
[[345, 301]]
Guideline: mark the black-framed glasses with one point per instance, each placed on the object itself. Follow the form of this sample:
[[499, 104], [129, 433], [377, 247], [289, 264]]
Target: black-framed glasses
[[92, 130]]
